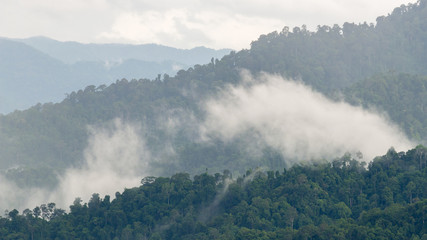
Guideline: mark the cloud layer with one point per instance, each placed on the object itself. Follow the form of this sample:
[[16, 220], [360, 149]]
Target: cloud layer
[[299, 122], [184, 23]]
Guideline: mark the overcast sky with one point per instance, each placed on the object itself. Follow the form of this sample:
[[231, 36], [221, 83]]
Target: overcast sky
[[178, 23]]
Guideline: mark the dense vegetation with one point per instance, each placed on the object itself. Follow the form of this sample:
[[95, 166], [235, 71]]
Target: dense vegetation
[[380, 66], [402, 96], [338, 200], [335, 57], [361, 61]]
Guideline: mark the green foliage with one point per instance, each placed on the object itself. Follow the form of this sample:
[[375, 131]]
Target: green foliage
[[402, 96], [335, 57], [342, 200]]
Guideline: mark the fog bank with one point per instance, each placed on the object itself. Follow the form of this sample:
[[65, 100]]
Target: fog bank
[[297, 121]]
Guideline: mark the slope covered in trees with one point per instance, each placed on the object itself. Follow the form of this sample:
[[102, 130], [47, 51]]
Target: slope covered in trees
[[335, 57], [337, 200], [51, 137], [402, 96]]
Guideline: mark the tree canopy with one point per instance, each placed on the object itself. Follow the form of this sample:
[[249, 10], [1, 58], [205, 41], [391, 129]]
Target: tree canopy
[[339, 200]]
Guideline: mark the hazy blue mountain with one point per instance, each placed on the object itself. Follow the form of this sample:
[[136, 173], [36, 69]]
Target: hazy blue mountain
[[43, 70], [72, 52], [27, 75]]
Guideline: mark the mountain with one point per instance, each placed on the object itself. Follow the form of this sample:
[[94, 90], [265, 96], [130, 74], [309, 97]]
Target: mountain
[[72, 52], [336, 57], [293, 146], [26, 75], [41, 70], [171, 110]]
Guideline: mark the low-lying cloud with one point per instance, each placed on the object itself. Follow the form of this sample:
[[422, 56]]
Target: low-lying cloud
[[297, 121], [116, 158]]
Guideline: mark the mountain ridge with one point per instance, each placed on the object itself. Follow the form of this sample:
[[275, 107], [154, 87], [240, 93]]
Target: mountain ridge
[[71, 51], [48, 77]]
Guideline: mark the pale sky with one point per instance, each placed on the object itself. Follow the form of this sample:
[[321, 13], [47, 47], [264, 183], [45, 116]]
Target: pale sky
[[179, 23]]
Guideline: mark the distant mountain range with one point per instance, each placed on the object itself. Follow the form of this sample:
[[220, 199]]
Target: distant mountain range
[[43, 70]]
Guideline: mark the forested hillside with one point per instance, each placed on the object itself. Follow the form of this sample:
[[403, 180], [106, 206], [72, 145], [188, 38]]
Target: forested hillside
[[402, 96], [337, 200], [222, 147], [333, 59], [360, 62]]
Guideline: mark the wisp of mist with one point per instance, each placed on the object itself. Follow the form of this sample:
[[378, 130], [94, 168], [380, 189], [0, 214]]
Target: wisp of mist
[[300, 123], [115, 158]]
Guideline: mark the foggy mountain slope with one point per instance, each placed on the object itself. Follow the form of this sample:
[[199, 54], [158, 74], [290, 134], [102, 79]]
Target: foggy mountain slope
[[42, 70], [54, 136], [257, 123], [172, 110]]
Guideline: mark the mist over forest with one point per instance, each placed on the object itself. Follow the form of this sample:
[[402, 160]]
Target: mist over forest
[[305, 135]]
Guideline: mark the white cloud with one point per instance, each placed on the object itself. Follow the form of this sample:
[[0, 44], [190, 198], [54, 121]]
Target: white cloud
[[298, 122], [149, 26], [179, 27], [116, 158]]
